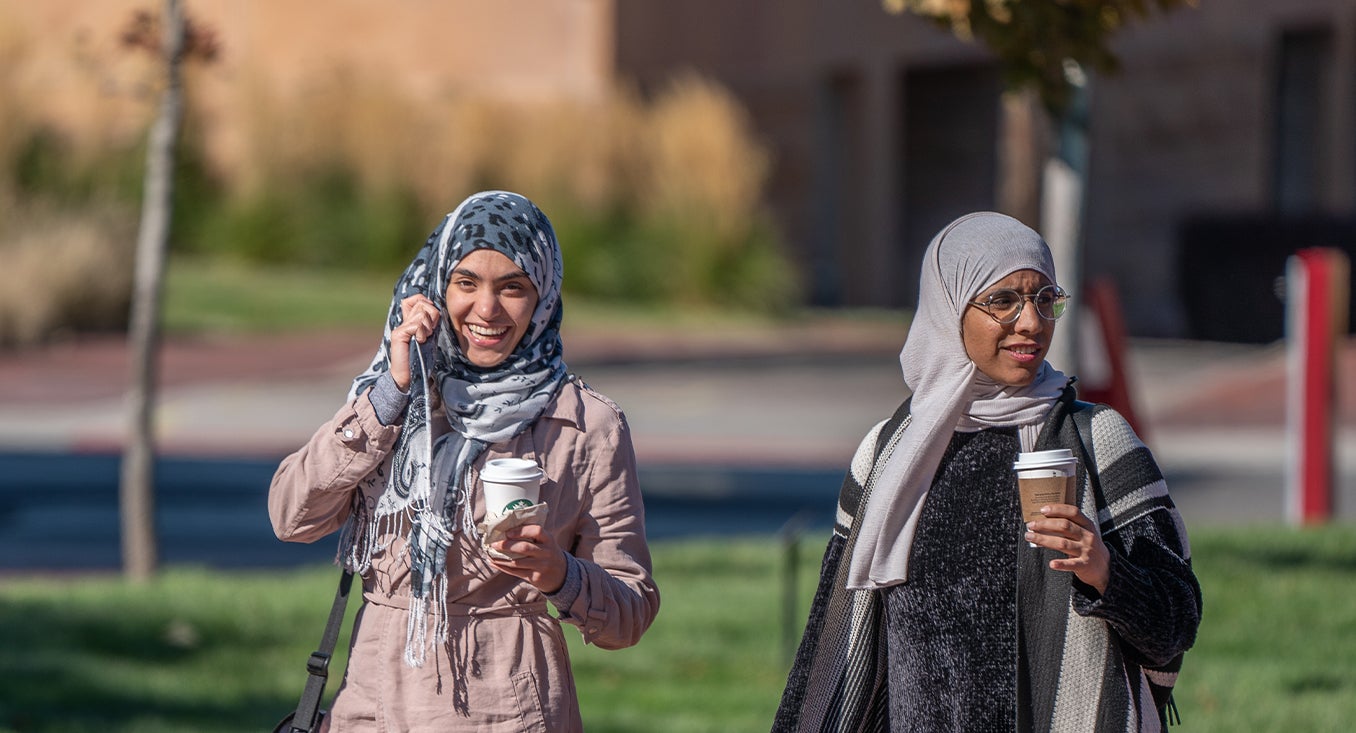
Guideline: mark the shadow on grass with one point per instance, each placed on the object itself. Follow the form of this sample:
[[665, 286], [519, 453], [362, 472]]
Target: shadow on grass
[[1295, 558], [1328, 549], [75, 669], [1316, 682]]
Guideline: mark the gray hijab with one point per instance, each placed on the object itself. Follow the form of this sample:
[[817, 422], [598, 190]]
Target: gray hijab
[[949, 391]]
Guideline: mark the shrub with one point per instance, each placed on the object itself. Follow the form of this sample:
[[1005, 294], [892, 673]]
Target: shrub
[[48, 168], [656, 200], [325, 222], [665, 203]]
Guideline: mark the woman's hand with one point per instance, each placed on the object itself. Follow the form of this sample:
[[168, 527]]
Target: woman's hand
[[1066, 530], [418, 318], [542, 562]]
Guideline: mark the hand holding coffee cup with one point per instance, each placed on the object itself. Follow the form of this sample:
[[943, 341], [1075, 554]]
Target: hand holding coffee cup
[[519, 545], [1046, 481]]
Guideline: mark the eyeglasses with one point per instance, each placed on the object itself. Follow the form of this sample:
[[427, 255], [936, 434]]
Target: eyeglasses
[[1005, 306]]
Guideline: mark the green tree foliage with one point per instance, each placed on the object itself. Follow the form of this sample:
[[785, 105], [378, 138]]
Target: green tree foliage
[[1035, 40]]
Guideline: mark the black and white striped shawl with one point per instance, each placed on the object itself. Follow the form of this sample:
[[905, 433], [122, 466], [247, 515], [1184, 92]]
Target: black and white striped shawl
[[1085, 663]]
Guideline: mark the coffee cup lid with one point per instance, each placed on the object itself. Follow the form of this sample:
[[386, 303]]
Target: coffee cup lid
[[1044, 458], [511, 469], [1044, 455]]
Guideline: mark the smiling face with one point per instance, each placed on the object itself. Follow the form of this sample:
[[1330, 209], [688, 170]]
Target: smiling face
[[490, 301], [1012, 353]]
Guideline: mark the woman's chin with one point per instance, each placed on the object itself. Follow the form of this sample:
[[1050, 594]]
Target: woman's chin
[[1016, 377]]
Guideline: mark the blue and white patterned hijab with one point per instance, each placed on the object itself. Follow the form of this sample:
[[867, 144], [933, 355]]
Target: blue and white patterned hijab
[[429, 481]]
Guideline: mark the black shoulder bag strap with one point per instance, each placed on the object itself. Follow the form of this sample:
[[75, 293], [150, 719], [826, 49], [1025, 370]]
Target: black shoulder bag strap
[[307, 716]]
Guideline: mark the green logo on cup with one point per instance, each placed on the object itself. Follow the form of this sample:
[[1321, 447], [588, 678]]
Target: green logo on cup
[[517, 504]]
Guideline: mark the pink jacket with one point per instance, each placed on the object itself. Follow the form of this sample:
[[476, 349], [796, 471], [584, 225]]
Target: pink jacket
[[505, 666]]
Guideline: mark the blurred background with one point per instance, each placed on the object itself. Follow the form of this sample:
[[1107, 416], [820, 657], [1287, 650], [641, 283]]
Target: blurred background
[[743, 193]]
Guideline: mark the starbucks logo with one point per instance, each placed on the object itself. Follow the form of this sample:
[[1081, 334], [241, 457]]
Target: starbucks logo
[[517, 504]]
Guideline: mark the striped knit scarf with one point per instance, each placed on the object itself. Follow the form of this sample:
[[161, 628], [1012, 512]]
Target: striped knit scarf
[[1075, 672]]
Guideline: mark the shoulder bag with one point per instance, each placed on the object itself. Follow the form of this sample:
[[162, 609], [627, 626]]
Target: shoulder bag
[[308, 715]]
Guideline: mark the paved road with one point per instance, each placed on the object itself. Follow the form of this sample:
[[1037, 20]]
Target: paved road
[[60, 511], [730, 441]]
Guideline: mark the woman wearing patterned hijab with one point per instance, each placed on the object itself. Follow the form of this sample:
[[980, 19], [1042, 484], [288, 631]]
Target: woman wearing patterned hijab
[[450, 637], [937, 609]]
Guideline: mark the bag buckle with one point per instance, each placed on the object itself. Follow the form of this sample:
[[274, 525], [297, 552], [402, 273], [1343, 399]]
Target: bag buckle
[[318, 664]]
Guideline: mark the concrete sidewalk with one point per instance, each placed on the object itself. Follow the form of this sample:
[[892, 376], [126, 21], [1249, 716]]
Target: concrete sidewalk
[[265, 395], [794, 396]]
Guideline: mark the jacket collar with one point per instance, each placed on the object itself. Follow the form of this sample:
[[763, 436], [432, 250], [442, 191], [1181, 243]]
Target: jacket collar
[[568, 404]]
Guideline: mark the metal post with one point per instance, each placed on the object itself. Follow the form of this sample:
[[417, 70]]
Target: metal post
[[790, 534]]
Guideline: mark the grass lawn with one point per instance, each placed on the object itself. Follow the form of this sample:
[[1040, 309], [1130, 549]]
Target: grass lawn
[[1277, 647], [221, 297], [203, 650]]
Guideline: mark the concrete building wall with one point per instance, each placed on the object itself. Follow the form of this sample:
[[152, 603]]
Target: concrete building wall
[[1189, 129], [1236, 108]]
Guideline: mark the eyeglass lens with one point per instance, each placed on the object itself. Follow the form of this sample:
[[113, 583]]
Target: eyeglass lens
[[1006, 305]]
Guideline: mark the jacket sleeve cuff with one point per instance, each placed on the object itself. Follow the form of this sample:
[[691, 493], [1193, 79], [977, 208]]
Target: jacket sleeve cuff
[[1120, 591], [387, 400], [569, 591]]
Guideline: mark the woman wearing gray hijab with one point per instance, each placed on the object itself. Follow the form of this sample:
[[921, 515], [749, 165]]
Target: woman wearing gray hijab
[[937, 608], [454, 631]]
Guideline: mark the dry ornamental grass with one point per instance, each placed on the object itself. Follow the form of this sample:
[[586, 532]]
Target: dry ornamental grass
[[64, 272], [657, 199]]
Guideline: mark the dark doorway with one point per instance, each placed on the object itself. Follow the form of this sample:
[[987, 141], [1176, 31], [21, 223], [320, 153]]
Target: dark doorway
[[839, 195], [1302, 65], [948, 159]]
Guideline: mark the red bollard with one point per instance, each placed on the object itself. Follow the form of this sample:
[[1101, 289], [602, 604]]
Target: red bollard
[[1106, 339], [1317, 285]]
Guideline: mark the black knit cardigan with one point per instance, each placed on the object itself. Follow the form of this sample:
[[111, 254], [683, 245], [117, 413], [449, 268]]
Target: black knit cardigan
[[1085, 662]]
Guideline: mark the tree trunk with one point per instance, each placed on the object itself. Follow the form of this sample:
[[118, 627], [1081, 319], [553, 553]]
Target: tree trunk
[[137, 489], [1024, 143]]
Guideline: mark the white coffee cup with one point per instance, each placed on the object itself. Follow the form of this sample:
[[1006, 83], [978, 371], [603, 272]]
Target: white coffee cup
[[510, 483], [1043, 478]]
